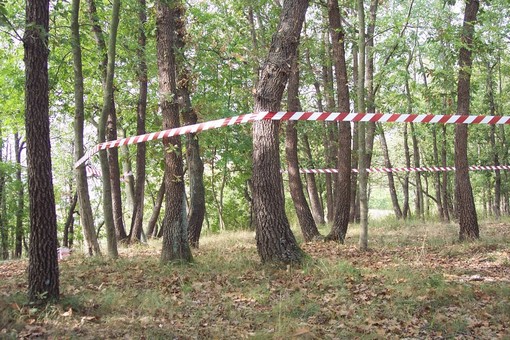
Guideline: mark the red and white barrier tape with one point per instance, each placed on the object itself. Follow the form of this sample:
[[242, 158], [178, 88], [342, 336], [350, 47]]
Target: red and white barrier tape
[[420, 169], [310, 116]]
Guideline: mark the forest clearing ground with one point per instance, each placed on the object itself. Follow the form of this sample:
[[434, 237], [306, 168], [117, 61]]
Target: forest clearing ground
[[414, 282]]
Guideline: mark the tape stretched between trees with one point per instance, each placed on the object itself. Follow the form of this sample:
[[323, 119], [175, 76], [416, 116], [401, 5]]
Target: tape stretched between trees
[[420, 169], [309, 116]]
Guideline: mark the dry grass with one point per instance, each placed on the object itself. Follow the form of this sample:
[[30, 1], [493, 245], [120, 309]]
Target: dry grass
[[415, 282]]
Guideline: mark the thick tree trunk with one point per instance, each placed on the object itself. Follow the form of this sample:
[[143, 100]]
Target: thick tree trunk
[[468, 220], [275, 241], [18, 248], [406, 213], [175, 224], [391, 180], [311, 185], [43, 275], [343, 181], [304, 215]]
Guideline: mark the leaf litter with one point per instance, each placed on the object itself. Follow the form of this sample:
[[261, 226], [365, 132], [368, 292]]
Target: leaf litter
[[422, 290]]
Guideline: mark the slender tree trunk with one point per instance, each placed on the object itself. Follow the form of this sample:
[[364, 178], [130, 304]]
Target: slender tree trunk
[[43, 274], [343, 182], [437, 176], [468, 220], [391, 180], [68, 227], [113, 164], [18, 249], [82, 188], [151, 232], [311, 185], [4, 227], [405, 185], [370, 102], [354, 213], [416, 158], [127, 173], [195, 165], [139, 194], [275, 241], [108, 205], [175, 225], [444, 183], [304, 215], [362, 159], [495, 148], [110, 123]]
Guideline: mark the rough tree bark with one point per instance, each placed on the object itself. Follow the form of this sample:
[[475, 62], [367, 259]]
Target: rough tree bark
[[468, 221], [175, 225], [43, 274], [275, 241], [343, 181], [304, 215]]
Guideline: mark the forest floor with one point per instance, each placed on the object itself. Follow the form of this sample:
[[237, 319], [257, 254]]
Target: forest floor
[[415, 282]]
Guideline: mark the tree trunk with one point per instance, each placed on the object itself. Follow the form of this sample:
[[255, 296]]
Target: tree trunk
[[370, 102], [311, 185], [416, 158], [391, 180], [18, 249], [362, 158], [155, 211], [43, 275], [4, 227], [175, 225], [275, 241], [468, 220], [304, 215], [82, 188], [195, 165], [354, 213], [405, 185], [108, 205], [437, 176], [494, 147], [68, 226], [139, 197], [343, 182], [444, 183]]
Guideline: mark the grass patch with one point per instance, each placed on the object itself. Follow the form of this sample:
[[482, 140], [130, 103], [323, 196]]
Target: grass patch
[[416, 281]]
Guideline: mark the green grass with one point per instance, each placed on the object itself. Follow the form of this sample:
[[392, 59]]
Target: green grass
[[413, 282]]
